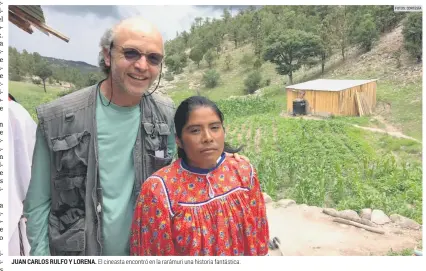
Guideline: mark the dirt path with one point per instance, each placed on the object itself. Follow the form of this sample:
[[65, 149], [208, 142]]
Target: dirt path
[[257, 139], [230, 131], [274, 131], [389, 129], [386, 131], [240, 134], [305, 230], [248, 139]]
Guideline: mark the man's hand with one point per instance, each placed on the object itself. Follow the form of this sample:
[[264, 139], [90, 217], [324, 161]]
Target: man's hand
[[238, 157]]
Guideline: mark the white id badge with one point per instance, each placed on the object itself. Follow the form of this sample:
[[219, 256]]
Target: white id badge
[[159, 154]]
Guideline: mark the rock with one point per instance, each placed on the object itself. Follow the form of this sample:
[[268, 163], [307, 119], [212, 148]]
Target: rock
[[350, 214], [398, 232], [379, 217], [365, 213], [285, 202], [331, 211], [267, 198], [405, 222], [395, 218]]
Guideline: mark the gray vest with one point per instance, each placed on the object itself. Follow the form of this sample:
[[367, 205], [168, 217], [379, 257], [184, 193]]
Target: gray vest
[[69, 126]]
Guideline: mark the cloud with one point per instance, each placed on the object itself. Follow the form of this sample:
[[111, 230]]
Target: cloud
[[170, 19], [84, 32], [84, 25], [99, 11]]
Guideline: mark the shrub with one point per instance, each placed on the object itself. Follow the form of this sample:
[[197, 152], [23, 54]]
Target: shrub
[[247, 60], [211, 78], [168, 76], [36, 81], [252, 82]]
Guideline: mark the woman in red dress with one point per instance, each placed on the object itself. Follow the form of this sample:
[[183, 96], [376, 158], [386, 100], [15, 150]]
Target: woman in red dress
[[204, 203]]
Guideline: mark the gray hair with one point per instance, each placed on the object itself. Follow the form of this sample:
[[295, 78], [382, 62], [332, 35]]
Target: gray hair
[[105, 43]]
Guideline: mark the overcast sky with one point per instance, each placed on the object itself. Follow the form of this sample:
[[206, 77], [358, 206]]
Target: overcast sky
[[84, 25]]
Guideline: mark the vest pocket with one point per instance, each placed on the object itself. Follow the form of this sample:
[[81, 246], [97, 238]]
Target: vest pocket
[[156, 136], [70, 242], [71, 151], [71, 190], [156, 163]]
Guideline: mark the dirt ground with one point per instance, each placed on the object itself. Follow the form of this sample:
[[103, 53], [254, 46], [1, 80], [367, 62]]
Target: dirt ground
[[304, 230], [389, 129]]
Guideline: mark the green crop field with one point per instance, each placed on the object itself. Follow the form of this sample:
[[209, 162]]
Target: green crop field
[[326, 163]]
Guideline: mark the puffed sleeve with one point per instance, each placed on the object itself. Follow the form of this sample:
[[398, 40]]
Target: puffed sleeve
[[258, 208], [151, 233]]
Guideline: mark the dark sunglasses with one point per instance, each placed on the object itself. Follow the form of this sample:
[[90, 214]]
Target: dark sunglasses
[[132, 54]]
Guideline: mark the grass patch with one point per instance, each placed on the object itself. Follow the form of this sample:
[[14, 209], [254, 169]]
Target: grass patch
[[277, 94], [30, 95], [405, 100], [405, 252], [179, 95], [361, 121]]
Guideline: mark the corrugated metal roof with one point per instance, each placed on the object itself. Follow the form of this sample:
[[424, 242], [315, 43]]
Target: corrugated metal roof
[[34, 11], [329, 84]]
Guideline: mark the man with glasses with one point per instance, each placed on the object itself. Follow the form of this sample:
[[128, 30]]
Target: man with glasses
[[95, 146]]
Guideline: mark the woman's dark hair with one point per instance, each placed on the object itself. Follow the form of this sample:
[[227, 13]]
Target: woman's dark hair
[[182, 116]]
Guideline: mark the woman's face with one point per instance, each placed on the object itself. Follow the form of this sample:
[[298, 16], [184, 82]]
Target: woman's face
[[203, 138]]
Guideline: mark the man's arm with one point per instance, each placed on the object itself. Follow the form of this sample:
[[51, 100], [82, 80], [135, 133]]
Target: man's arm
[[38, 198]]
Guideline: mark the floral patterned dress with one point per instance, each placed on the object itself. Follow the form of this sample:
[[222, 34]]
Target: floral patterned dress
[[185, 211]]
